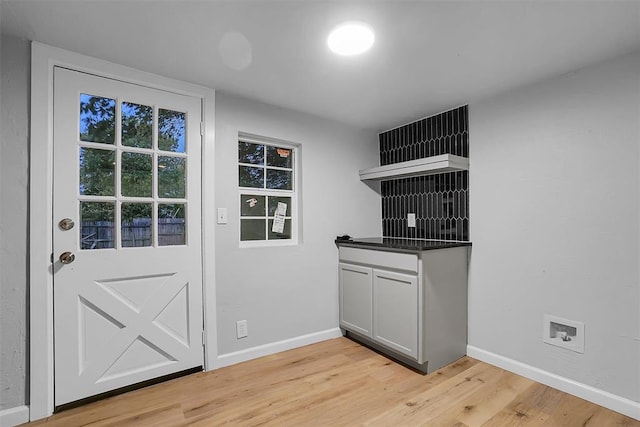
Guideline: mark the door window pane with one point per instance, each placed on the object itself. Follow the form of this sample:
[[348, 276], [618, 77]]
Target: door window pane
[[251, 177], [96, 225], [286, 234], [136, 224], [252, 205], [137, 178], [252, 229], [171, 131], [279, 157], [97, 169], [250, 153], [171, 224], [137, 125], [279, 179], [171, 177], [97, 119]]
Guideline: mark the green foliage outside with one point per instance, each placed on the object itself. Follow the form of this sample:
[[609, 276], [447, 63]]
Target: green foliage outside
[[97, 166]]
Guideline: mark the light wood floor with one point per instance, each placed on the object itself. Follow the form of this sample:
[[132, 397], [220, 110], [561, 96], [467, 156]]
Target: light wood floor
[[340, 383]]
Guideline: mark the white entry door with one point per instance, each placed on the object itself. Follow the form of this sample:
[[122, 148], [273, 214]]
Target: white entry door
[[127, 234]]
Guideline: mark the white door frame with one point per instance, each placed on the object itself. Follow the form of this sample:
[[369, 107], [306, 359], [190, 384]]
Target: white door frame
[[43, 59]]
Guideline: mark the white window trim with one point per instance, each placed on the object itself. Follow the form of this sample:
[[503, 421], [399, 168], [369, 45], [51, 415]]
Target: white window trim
[[294, 194], [43, 60]]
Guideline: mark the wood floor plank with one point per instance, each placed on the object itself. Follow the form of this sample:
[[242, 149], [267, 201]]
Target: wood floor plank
[[482, 405], [531, 407], [427, 405], [341, 383]]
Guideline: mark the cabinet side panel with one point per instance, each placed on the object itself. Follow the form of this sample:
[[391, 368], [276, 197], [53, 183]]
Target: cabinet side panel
[[445, 306]]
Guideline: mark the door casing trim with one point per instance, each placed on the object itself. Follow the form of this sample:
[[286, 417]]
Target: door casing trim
[[43, 60]]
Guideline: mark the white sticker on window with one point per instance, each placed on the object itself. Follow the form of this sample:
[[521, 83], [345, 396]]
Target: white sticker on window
[[278, 221], [252, 202]]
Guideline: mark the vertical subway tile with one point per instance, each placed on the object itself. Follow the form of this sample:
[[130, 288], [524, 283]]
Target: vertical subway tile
[[465, 144], [387, 143], [396, 206], [465, 118], [425, 129], [428, 129], [411, 137], [448, 119], [456, 120]]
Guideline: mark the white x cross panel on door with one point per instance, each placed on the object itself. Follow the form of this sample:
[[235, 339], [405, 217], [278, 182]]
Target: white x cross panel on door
[[144, 320]]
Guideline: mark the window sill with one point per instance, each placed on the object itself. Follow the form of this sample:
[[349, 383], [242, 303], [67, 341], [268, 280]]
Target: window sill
[[267, 243]]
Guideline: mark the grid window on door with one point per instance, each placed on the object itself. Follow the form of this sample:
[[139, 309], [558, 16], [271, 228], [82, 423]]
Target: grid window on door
[[132, 174], [268, 195]]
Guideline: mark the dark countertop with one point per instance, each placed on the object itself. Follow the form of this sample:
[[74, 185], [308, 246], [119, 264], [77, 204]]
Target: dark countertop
[[399, 244]]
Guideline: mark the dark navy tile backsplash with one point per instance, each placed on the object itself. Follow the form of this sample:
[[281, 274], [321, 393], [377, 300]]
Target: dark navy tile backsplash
[[440, 202], [445, 133]]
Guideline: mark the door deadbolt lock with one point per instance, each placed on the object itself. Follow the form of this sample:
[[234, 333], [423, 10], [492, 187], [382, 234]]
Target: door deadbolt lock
[[67, 257], [66, 224]]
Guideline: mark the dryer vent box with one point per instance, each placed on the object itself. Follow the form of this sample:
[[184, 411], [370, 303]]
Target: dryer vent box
[[563, 333]]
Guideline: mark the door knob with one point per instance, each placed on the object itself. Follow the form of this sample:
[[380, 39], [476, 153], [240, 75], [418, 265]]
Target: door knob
[[66, 224], [67, 257]]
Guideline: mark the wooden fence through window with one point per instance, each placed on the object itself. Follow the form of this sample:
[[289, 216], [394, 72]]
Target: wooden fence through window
[[100, 234]]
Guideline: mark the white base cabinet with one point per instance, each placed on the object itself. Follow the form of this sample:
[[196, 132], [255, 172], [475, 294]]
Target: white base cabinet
[[412, 306], [395, 311], [356, 295]]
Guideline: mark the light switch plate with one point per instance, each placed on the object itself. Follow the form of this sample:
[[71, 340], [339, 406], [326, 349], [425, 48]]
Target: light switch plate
[[222, 215], [411, 220]]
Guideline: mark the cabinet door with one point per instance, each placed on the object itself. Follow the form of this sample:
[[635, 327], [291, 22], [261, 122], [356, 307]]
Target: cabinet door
[[395, 312], [355, 298]]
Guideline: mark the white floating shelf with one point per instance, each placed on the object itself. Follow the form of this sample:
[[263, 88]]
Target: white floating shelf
[[427, 166]]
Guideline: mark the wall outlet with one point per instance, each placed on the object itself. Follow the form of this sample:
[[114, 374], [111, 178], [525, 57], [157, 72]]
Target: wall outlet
[[241, 329], [411, 220], [563, 333]]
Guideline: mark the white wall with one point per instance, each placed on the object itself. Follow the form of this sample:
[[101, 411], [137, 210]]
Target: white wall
[[14, 125], [287, 292], [554, 208]]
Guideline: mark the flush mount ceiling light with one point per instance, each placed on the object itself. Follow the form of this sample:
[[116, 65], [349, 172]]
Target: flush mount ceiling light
[[351, 38]]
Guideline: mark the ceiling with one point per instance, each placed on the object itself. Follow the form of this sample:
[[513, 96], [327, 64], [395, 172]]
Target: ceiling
[[429, 56]]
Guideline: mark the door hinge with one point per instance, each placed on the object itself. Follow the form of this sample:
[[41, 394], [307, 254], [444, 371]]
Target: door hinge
[[202, 128], [203, 338]]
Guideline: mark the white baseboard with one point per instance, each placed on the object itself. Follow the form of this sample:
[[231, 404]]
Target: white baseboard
[[611, 401], [14, 416], [276, 347]]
